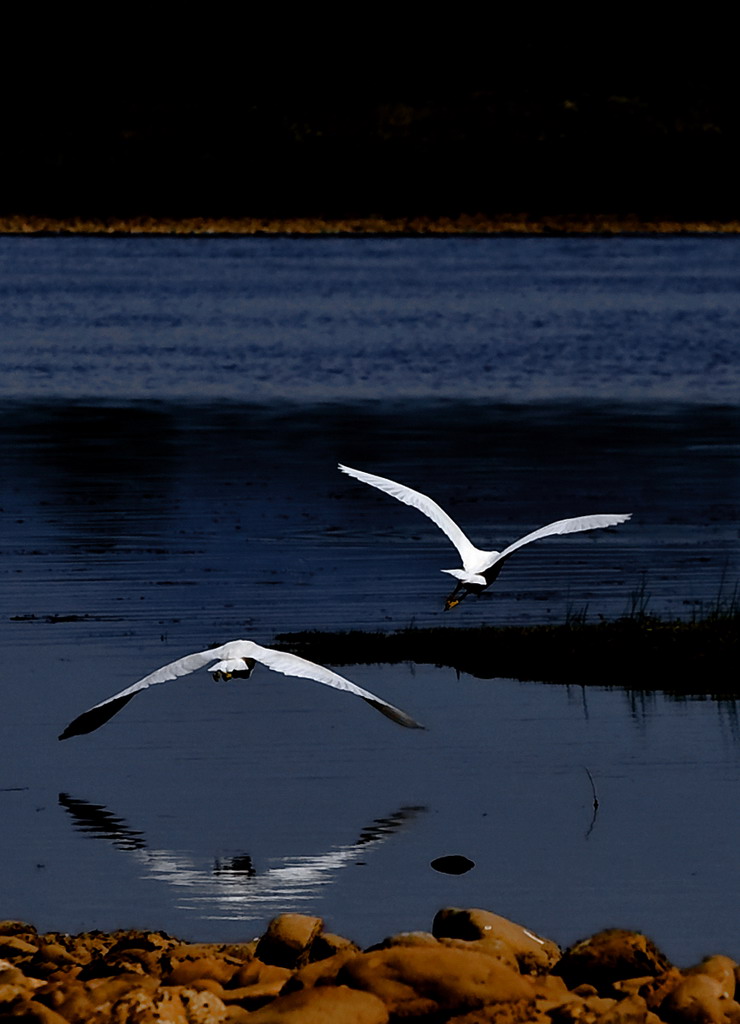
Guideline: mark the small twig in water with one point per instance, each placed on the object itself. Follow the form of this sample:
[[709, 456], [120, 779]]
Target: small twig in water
[[590, 828]]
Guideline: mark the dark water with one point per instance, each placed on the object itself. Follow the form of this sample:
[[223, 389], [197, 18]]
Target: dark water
[[275, 320], [174, 413]]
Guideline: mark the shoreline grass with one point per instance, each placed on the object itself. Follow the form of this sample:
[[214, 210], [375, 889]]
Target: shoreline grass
[[641, 652], [462, 224]]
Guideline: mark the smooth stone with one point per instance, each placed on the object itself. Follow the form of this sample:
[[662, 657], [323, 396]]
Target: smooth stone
[[699, 999], [323, 1005], [533, 953], [414, 980], [288, 939], [609, 956], [723, 968]]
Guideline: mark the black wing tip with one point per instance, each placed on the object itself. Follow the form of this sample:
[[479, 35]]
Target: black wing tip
[[91, 720], [395, 714]]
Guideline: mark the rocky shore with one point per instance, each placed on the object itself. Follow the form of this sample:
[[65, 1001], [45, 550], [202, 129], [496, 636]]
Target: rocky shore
[[472, 967]]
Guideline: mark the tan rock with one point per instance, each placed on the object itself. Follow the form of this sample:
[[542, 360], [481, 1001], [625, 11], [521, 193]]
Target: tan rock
[[11, 993], [415, 980], [326, 944], [33, 1012], [288, 939], [405, 939], [13, 946], [13, 976], [323, 1005], [256, 983], [631, 1010], [237, 1015], [135, 939], [582, 1010], [609, 956], [141, 1007], [183, 972], [720, 967], [533, 953], [320, 972], [77, 1001], [20, 928], [699, 999], [490, 946], [654, 990], [257, 973], [202, 1006], [502, 1013]]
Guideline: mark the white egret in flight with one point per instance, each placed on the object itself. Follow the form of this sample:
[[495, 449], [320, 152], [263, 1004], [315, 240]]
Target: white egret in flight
[[235, 659], [480, 568]]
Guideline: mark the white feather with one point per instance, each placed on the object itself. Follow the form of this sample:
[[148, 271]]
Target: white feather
[[227, 658], [476, 560]]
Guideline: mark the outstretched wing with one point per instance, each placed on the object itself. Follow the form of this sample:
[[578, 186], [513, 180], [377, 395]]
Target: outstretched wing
[[424, 504], [565, 526], [292, 665], [101, 713], [288, 664]]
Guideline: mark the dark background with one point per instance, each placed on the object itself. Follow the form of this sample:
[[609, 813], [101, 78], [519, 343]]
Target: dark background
[[261, 130]]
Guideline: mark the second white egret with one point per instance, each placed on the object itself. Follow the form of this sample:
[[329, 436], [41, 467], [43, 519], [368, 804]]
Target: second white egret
[[479, 568]]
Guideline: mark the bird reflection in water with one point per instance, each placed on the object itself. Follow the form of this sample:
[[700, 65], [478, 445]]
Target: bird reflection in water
[[233, 889]]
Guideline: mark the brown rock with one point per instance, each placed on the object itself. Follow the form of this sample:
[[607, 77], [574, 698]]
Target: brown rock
[[323, 1005], [33, 1012], [326, 944], [416, 980], [288, 939], [582, 1010], [720, 967], [610, 956], [202, 1006], [12, 976], [533, 953], [490, 946], [632, 1010], [699, 999], [77, 1001], [405, 939], [237, 1015], [22, 928], [257, 973], [320, 972], [13, 946], [255, 983], [162, 1007], [183, 972], [11, 993], [654, 990], [502, 1013]]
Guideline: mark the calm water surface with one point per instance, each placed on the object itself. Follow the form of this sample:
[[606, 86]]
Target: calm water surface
[[173, 414]]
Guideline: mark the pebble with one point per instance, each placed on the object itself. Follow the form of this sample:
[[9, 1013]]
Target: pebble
[[473, 967]]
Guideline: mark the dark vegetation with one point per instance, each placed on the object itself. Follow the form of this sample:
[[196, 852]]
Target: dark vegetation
[[639, 651], [372, 146]]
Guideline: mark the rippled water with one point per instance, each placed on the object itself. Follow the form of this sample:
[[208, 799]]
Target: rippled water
[[174, 411], [259, 319]]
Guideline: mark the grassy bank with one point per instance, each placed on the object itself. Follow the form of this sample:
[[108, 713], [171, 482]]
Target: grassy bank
[[639, 652], [464, 224]]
